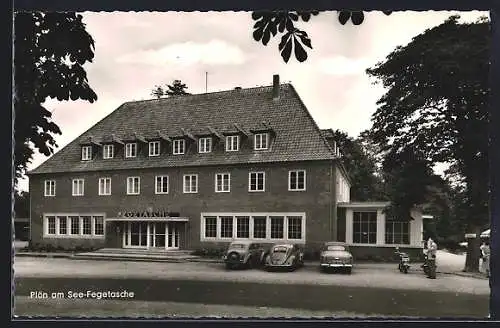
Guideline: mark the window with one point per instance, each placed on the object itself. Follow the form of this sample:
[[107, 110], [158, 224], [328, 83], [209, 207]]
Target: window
[[277, 227], [364, 227], [226, 227], [131, 150], [51, 225], [242, 227], [86, 153], [161, 184], [297, 180], [205, 145], [50, 188], [75, 225], [98, 225], [256, 181], [190, 183], [271, 227], [154, 148], [294, 227], [104, 186], [397, 232], [78, 186], [133, 185], [211, 227], [232, 143], [261, 141], [222, 182], [108, 151], [179, 146], [63, 225], [87, 225], [259, 227]]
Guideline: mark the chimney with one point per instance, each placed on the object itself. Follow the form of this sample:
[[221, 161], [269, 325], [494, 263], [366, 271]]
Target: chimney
[[276, 87]]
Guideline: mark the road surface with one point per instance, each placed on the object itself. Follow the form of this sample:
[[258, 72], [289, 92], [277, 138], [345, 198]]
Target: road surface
[[369, 291]]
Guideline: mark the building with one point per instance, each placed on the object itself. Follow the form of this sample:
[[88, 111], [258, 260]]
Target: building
[[201, 170]]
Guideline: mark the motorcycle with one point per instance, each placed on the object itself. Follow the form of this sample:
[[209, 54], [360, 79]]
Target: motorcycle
[[404, 261]]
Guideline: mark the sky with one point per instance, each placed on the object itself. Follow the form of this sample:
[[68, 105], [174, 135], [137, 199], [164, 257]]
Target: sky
[[214, 51]]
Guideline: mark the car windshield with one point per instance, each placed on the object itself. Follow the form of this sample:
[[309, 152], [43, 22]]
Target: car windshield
[[240, 246], [280, 249], [335, 248]]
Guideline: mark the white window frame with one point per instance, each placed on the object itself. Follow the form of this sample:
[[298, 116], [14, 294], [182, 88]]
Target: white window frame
[[131, 150], [190, 191], [252, 216], [392, 231], [161, 177], [108, 151], [223, 176], [176, 147], [154, 148], [230, 143], [66, 217], [104, 182], [80, 187], [261, 137], [256, 173], [131, 183], [86, 153], [361, 211], [205, 145], [290, 180], [49, 188]]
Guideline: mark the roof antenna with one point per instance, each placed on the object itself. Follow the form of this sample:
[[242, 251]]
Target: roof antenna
[[206, 82]]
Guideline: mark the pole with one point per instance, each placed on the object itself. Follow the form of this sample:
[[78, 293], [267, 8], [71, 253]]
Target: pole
[[206, 82]]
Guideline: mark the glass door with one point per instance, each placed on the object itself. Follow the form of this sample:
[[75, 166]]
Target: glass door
[[135, 235], [172, 235], [157, 234]]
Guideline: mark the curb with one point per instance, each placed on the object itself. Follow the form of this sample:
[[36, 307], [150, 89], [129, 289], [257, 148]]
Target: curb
[[47, 255]]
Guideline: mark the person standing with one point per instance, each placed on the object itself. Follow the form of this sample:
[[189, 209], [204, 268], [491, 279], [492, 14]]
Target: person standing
[[485, 254]]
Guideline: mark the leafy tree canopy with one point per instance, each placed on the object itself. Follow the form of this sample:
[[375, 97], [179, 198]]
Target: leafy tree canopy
[[436, 103], [177, 88], [50, 51]]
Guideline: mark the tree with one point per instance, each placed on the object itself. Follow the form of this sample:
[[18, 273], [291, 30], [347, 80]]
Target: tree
[[268, 24], [22, 204], [177, 88], [365, 184], [50, 50], [436, 103], [158, 92]]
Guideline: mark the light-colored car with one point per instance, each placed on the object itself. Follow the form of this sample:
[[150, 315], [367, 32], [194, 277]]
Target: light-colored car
[[336, 255], [284, 256], [243, 254]]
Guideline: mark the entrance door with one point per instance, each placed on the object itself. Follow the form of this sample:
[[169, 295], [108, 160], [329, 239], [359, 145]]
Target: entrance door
[[172, 235], [157, 231], [135, 235]]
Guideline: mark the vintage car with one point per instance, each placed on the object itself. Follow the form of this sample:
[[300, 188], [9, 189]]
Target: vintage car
[[243, 254], [336, 255], [284, 256]]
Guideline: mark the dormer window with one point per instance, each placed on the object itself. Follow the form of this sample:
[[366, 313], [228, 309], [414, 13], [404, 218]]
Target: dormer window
[[108, 151], [131, 150], [205, 145], [86, 153], [261, 141], [179, 146], [232, 143], [154, 148]]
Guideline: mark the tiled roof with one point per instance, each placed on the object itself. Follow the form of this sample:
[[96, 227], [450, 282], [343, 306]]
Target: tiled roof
[[296, 137]]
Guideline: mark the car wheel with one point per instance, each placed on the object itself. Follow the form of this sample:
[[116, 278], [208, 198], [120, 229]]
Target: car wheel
[[405, 270], [249, 263], [228, 266], [348, 270]]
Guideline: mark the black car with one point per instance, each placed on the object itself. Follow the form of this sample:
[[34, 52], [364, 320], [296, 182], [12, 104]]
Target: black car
[[243, 254]]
